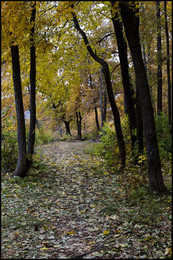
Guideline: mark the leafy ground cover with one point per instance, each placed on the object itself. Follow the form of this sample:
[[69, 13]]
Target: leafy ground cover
[[71, 206]]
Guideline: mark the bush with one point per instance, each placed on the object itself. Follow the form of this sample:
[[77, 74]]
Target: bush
[[93, 136], [9, 148], [43, 136], [108, 148]]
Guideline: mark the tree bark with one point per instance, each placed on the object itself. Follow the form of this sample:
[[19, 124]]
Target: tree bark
[[67, 127], [159, 60], [128, 88], [95, 108], [21, 168], [31, 137], [168, 68], [131, 24], [104, 106], [79, 124], [106, 73]]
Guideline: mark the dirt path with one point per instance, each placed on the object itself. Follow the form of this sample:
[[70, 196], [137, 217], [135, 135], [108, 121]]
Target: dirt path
[[78, 195], [71, 208]]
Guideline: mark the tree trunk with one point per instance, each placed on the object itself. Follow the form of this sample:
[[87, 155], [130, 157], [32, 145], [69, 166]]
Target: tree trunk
[[159, 60], [104, 106], [67, 127], [79, 124], [168, 68], [95, 108], [128, 88], [106, 73], [131, 23], [31, 138], [96, 117], [21, 168]]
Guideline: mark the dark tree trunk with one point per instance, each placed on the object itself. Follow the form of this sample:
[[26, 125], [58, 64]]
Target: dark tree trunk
[[95, 108], [96, 117], [159, 60], [67, 127], [128, 88], [104, 106], [168, 68], [106, 73], [21, 169], [31, 138], [79, 124], [131, 24]]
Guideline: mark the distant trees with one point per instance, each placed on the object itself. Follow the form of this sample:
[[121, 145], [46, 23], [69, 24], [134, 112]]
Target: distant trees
[[106, 73]]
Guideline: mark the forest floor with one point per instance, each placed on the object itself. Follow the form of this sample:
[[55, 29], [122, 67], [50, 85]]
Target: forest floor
[[71, 207]]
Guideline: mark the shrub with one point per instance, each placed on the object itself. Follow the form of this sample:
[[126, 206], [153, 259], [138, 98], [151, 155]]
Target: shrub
[[43, 136], [9, 148], [93, 136], [108, 148]]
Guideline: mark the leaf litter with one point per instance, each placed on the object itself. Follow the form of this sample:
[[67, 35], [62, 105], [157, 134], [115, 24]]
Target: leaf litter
[[69, 208]]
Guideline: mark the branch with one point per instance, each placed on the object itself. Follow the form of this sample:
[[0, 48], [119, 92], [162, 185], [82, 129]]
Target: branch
[[107, 35], [77, 26]]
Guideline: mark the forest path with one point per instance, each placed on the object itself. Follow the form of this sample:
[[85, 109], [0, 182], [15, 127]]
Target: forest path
[[71, 207], [79, 191]]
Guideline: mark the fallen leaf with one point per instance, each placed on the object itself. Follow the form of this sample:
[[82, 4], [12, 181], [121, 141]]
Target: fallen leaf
[[106, 232]]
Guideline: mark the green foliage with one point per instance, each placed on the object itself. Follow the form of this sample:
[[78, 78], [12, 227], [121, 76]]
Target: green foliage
[[43, 136], [93, 136], [108, 147], [67, 137], [9, 149], [163, 135]]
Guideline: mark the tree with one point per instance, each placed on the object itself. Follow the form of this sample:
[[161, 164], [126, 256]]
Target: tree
[[95, 108], [21, 168], [79, 124], [168, 66], [130, 17], [31, 137], [159, 60], [128, 88], [106, 73]]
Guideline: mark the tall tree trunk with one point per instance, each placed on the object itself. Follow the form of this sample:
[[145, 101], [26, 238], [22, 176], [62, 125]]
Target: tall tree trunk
[[21, 168], [131, 23], [159, 60], [106, 73], [31, 138], [104, 106], [96, 118], [67, 127], [128, 88], [95, 108], [79, 124], [168, 68]]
